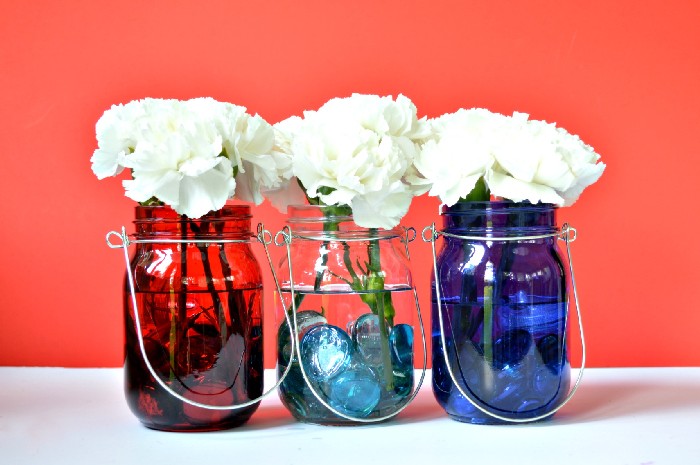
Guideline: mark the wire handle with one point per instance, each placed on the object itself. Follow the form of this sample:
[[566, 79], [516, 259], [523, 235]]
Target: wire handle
[[568, 235], [124, 244], [284, 237]]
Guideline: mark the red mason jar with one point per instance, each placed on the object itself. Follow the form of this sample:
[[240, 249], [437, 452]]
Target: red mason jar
[[198, 292]]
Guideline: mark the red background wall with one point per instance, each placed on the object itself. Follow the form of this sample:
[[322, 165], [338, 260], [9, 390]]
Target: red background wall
[[623, 75]]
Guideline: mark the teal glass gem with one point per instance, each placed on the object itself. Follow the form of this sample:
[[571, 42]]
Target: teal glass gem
[[326, 351], [368, 339], [355, 392], [401, 343], [306, 320]]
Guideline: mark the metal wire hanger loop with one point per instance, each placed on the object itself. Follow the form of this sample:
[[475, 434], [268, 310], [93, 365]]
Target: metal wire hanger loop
[[124, 244], [568, 235], [285, 237]]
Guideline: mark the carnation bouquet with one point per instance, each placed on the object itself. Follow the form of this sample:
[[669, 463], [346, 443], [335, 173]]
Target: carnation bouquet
[[193, 301], [351, 159], [352, 156], [192, 155], [476, 154], [500, 290]]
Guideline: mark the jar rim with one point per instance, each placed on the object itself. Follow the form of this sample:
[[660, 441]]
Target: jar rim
[[314, 213], [165, 213], [304, 216], [496, 206]]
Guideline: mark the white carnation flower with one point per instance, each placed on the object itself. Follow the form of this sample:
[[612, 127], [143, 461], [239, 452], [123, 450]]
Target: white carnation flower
[[539, 162], [115, 137], [178, 162], [288, 192], [184, 153], [383, 208], [519, 160], [334, 157], [382, 115], [583, 163], [356, 151], [458, 153], [507, 187]]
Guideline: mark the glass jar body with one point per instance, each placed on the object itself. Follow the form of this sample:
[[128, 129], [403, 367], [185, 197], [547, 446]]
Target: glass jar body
[[200, 310], [504, 307], [355, 302]]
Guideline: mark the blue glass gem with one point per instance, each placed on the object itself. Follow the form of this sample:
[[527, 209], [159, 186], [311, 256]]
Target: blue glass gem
[[511, 348], [545, 383], [529, 405], [549, 348], [401, 343], [368, 339], [355, 392], [467, 367], [507, 390], [306, 320], [403, 380], [325, 352]]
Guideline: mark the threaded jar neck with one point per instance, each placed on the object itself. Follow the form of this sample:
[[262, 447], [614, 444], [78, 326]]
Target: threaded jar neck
[[334, 221], [229, 222], [500, 218]]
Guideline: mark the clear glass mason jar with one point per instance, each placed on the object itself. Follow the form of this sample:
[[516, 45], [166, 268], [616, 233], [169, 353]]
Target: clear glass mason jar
[[200, 312], [504, 313], [355, 301]]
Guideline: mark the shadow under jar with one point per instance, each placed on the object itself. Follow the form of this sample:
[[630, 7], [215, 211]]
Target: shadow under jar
[[504, 307], [355, 302], [200, 312]]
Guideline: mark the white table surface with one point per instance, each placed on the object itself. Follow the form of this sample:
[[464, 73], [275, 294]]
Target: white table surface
[[628, 416]]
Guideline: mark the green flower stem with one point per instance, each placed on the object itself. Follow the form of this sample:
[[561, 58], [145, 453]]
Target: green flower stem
[[328, 227], [488, 324], [381, 305], [216, 300], [182, 296], [384, 344], [173, 330], [370, 287], [481, 193], [488, 374], [489, 281], [211, 287]]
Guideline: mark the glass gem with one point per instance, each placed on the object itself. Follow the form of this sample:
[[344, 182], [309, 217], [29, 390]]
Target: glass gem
[[355, 392], [511, 348], [401, 343], [326, 351], [306, 320], [368, 339], [549, 348]]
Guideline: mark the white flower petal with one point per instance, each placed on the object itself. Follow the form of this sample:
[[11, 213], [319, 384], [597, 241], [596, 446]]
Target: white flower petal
[[197, 166], [586, 176], [106, 164], [289, 194], [206, 192], [507, 187], [163, 185], [383, 209], [453, 164], [167, 188]]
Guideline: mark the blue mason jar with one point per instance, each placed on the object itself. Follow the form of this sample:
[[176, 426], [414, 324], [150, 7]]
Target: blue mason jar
[[503, 311]]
